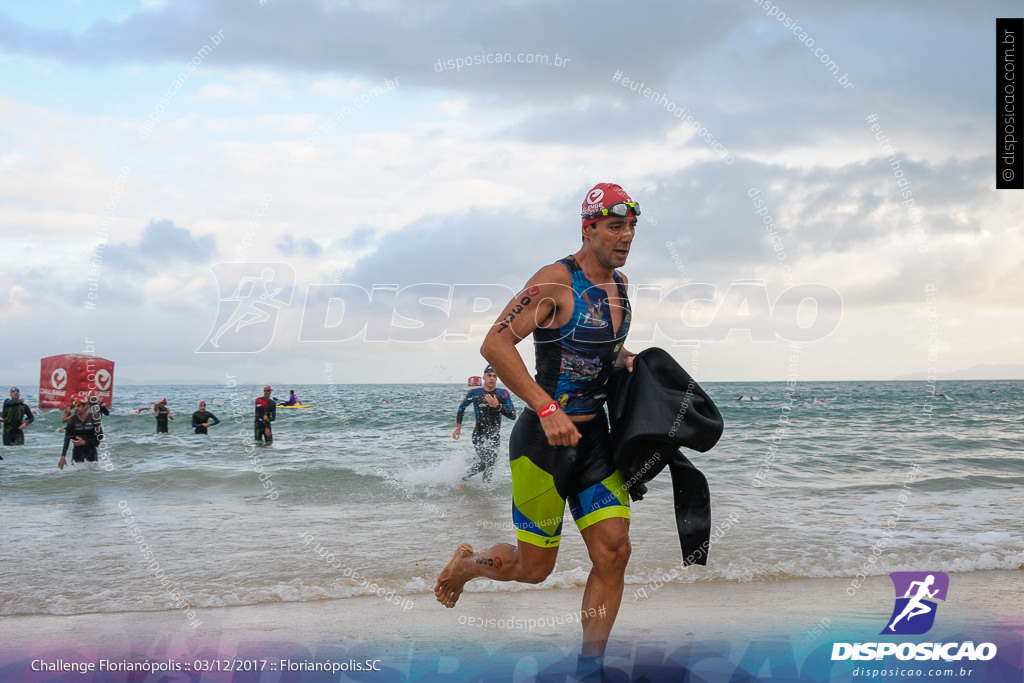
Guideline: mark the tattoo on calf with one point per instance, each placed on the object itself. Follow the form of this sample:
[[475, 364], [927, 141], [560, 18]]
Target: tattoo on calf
[[489, 562]]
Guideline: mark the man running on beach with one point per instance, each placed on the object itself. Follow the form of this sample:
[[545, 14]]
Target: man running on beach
[[488, 408], [266, 412], [579, 316]]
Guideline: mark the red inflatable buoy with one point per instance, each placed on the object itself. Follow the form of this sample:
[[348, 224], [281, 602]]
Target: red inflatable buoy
[[73, 376]]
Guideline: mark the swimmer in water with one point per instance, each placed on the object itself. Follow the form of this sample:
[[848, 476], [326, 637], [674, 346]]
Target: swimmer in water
[[84, 432], [163, 414], [202, 418], [266, 412]]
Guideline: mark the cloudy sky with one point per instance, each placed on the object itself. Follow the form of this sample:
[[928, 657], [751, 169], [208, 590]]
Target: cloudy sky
[[286, 190]]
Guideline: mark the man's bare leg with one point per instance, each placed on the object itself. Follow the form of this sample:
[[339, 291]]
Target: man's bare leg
[[608, 544], [502, 562]]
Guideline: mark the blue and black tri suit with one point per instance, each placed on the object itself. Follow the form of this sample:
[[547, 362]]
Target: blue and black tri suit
[[574, 364], [487, 431]]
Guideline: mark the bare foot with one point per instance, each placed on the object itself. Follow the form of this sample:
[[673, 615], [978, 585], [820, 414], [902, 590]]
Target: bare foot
[[451, 579]]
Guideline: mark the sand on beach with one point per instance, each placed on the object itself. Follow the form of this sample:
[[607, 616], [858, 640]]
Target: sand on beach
[[806, 615]]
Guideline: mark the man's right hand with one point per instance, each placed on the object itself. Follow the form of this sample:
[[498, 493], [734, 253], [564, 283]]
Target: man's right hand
[[560, 430], [457, 432]]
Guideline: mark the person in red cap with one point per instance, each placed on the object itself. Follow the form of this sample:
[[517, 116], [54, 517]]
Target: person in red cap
[[203, 419], [266, 412], [579, 315], [163, 414], [488, 406]]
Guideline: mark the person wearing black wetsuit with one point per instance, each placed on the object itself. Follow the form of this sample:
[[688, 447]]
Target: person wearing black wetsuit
[[489, 405], [16, 416], [266, 412], [202, 418], [82, 430], [163, 413]]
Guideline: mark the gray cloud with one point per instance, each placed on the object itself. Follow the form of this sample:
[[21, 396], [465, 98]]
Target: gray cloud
[[162, 242], [304, 246]]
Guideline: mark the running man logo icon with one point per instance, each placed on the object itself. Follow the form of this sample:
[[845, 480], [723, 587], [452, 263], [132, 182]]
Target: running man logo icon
[[250, 297], [914, 613]]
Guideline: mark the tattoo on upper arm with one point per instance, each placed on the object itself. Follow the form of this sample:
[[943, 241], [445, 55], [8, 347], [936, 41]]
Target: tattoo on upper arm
[[507, 321]]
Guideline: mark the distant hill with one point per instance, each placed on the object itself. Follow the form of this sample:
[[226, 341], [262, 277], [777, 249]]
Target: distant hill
[[975, 372]]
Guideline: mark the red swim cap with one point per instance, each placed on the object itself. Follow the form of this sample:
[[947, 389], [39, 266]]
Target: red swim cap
[[601, 196], [267, 388]]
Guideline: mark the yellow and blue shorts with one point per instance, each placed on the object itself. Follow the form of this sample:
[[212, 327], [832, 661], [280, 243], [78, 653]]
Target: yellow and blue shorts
[[537, 506]]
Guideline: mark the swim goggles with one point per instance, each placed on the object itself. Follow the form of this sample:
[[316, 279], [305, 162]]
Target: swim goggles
[[620, 210]]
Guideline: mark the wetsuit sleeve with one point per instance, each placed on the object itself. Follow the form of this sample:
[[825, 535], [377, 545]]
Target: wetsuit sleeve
[[104, 410], [214, 420], [196, 422], [259, 410], [67, 442], [273, 412], [508, 409], [462, 406], [27, 412]]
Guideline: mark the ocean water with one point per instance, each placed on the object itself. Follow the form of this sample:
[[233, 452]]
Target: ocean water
[[356, 495]]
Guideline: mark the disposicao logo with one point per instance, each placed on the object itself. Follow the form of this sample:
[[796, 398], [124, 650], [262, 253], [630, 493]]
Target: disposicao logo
[[914, 614]]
